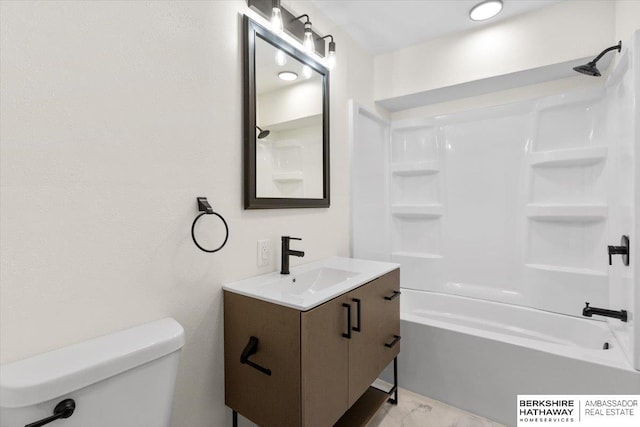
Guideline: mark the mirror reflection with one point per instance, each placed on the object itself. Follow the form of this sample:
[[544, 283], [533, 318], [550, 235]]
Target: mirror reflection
[[289, 125]]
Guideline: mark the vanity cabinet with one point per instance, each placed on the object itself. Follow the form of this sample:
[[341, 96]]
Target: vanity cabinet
[[379, 324], [321, 360]]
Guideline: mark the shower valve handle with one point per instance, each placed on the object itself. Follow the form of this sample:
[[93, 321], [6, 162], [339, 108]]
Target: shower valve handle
[[617, 250], [623, 250]]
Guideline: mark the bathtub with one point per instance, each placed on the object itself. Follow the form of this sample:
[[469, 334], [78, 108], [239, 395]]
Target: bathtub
[[479, 355]]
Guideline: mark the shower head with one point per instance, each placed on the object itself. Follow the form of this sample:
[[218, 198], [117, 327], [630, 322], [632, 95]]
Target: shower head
[[590, 68], [263, 133]]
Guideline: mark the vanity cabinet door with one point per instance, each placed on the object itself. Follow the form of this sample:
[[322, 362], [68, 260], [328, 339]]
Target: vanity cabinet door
[[364, 345], [267, 400], [325, 362], [388, 303]]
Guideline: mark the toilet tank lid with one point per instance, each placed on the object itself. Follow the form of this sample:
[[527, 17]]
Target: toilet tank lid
[[53, 374]]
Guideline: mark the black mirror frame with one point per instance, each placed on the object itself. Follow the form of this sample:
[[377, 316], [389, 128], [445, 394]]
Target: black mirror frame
[[251, 30]]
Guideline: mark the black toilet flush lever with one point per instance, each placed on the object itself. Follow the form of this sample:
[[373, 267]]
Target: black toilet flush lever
[[64, 409], [590, 311], [623, 250]]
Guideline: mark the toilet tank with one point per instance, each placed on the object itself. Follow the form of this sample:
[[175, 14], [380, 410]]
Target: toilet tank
[[125, 379]]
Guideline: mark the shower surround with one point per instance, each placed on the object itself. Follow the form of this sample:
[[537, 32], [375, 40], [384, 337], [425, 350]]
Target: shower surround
[[511, 208]]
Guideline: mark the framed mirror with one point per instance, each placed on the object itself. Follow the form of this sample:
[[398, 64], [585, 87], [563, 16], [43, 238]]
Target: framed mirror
[[286, 124]]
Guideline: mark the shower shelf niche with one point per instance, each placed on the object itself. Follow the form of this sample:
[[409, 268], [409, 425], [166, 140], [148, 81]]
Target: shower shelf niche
[[586, 156], [567, 213], [417, 211], [415, 168]]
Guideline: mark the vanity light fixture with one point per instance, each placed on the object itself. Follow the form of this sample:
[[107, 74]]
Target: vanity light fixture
[[485, 10], [277, 26], [282, 20], [287, 76], [331, 56], [307, 41]]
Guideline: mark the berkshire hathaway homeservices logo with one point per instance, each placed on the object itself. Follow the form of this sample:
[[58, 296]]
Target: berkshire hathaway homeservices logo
[[578, 410], [547, 411]]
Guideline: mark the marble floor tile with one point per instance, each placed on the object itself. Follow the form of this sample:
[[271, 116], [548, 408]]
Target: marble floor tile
[[414, 410]]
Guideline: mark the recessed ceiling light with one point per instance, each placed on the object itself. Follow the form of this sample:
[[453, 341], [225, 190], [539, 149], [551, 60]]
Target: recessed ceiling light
[[287, 76], [485, 10]]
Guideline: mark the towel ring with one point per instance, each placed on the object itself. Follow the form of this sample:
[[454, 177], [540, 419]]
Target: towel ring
[[206, 209]]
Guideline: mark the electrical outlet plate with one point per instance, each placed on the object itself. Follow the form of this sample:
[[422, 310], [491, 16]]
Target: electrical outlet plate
[[264, 252]]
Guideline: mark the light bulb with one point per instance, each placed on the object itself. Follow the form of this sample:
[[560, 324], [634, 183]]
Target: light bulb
[[276, 21], [331, 60], [307, 43], [306, 72], [281, 57]]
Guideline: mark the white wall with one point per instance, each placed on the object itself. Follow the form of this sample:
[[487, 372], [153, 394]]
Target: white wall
[[289, 103], [115, 116], [627, 18], [562, 32]]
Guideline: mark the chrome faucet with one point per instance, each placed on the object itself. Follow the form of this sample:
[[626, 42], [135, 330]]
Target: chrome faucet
[[286, 252]]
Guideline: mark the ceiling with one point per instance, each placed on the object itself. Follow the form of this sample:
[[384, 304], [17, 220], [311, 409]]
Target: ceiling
[[385, 25]]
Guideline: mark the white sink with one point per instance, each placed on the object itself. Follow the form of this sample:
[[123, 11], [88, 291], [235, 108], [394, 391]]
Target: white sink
[[309, 285], [311, 281]]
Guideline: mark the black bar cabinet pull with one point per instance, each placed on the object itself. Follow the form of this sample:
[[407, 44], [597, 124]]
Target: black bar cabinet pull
[[64, 409], [250, 349], [348, 334], [358, 315], [396, 339], [396, 294]]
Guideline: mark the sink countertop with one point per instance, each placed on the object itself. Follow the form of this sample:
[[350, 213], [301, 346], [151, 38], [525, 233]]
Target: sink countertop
[[336, 276]]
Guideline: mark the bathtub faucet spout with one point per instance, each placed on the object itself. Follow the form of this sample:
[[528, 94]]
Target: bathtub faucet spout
[[590, 311]]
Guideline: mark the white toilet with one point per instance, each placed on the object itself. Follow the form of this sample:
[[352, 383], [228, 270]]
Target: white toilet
[[125, 379]]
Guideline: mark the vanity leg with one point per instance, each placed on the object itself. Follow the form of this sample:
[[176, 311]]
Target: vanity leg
[[394, 400], [234, 416]]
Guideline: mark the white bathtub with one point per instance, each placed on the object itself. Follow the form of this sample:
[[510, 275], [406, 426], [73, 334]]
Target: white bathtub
[[479, 355]]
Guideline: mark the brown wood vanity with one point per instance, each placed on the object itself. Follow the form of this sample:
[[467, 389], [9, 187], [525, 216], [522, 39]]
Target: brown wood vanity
[[321, 362]]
